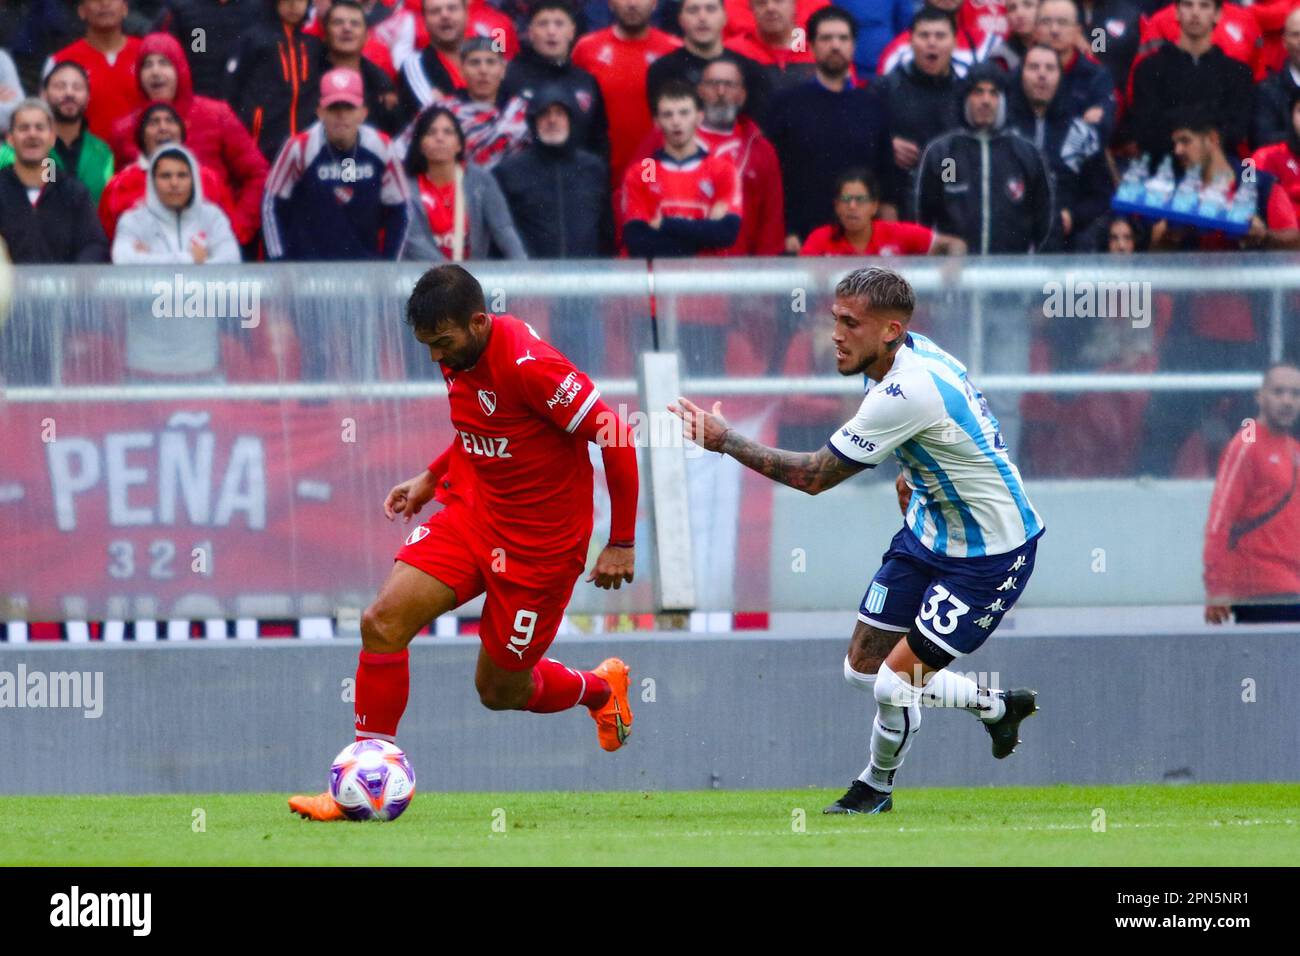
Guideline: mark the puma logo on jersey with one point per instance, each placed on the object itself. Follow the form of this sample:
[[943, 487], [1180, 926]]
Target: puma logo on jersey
[[485, 446], [527, 355]]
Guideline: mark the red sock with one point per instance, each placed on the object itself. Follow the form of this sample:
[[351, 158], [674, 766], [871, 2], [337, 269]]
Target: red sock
[[556, 688], [383, 682]]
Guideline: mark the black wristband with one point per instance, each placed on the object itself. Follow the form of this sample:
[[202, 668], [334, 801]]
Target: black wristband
[[621, 544]]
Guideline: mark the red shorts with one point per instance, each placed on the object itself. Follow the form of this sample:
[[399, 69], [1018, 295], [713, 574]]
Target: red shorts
[[525, 600]]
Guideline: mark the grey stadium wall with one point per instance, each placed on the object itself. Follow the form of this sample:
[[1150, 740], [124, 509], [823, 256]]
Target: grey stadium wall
[[716, 712]]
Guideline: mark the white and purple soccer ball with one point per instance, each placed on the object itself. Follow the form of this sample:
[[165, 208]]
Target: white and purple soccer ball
[[372, 780]]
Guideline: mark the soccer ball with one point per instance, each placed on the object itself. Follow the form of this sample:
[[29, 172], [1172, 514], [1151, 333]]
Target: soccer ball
[[372, 780]]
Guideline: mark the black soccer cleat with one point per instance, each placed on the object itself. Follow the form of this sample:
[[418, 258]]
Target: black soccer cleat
[[1005, 731], [862, 798]]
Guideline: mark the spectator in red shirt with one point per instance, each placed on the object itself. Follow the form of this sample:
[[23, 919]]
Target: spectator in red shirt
[[726, 131], [1252, 565], [159, 124], [619, 58], [683, 200], [216, 137], [109, 58], [857, 232], [1283, 159]]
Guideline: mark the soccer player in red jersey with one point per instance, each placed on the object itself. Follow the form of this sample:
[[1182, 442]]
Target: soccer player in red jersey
[[619, 58], [516, 483], [857, 231]]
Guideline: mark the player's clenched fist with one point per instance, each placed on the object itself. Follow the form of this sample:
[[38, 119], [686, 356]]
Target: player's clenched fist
[[708, 430], [613, 567], [410, 496]]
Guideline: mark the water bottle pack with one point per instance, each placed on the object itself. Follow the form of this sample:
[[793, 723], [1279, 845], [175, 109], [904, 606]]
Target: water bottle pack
[[1188, 202]]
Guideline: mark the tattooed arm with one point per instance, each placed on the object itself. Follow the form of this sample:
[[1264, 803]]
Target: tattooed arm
[[811, 472]]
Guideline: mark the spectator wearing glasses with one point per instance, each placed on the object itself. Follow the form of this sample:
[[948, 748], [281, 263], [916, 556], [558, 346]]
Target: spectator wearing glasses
[[857, 232]]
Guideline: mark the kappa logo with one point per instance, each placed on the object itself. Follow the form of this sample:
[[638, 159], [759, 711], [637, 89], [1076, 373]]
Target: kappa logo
[[894, 390], [419, 534], [488, 400]]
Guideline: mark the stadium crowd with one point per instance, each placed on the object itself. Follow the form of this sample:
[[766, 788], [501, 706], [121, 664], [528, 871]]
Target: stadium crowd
[[192, 131]]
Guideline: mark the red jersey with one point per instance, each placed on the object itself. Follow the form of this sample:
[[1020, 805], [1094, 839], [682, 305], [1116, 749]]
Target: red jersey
[[887, 239], [741, 22], [1282, 163], [113, 89], [529, 475], [682, 188], [1237, 33], [762, 225], [1254, 522], [620, 67]]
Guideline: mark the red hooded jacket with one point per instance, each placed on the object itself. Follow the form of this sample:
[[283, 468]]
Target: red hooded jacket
[[213, 134]]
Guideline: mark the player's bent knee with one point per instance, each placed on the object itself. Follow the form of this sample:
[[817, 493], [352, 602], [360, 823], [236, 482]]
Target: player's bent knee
[[893, 691], [380, 635], [497, 696]]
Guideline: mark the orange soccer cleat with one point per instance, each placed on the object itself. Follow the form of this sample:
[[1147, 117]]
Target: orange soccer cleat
[[614, 720], [320, 807]]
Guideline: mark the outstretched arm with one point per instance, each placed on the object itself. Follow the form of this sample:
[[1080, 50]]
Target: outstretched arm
[[812, 471]]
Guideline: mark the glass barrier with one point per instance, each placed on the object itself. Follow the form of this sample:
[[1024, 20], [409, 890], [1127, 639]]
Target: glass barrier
[[217, 441]]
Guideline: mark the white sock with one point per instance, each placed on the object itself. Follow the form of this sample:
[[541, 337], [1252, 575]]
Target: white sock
[[898, 717], [864, 682], [946, 689]]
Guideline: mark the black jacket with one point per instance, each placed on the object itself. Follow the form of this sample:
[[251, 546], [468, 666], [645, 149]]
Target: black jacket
[[418, 77], [273, 84], [921, 108], [559, 200], [818, 134], [61, 228], [682, 64], [996, 192], [1085, 85], [1272, 119], [1170, 80], [1111, 28], [529, 72], [222, 23], [1075, 158]]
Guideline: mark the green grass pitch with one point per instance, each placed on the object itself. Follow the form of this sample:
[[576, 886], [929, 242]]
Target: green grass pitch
[[1185, 825]]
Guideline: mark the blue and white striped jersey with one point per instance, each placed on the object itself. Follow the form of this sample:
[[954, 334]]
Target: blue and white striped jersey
[[968, 499]]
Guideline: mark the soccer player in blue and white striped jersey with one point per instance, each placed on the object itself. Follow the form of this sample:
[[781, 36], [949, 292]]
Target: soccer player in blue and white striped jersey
[[966, 550]]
